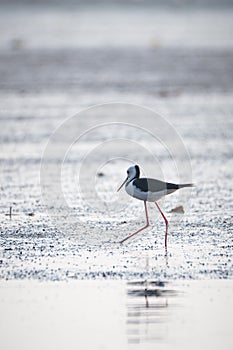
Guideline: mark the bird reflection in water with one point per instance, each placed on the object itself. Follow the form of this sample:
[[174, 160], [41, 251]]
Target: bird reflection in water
[[148, 311]]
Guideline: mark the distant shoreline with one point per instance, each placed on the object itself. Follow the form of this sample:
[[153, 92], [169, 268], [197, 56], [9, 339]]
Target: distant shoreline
[[135, 3]]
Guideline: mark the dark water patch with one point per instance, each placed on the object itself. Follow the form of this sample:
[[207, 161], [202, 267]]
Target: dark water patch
[[163, 71]]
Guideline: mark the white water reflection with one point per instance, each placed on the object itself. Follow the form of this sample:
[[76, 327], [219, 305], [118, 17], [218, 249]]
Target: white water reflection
[[101, 314], [148, 307]]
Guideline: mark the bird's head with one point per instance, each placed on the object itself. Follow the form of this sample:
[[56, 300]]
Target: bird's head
[[133, 172]]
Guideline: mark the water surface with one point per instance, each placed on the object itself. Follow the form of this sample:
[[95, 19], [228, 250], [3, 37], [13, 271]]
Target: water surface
[[116, 314]]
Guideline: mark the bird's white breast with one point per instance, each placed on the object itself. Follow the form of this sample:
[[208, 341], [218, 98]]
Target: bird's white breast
[[144, 196]]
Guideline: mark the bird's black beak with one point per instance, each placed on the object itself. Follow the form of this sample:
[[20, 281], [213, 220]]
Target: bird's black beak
[[122, 184]]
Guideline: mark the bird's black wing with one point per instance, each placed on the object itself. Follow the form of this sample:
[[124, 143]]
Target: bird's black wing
[[154, 185]]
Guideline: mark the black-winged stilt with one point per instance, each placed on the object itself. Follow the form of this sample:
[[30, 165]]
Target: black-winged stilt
[[148, 190]]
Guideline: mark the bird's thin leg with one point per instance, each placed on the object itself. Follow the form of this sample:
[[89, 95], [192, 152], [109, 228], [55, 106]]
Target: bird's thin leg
[[141, 229], [166, 222]]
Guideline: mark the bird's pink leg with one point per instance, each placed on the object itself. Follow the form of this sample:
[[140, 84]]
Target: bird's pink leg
[[141, 229], [166, 222]]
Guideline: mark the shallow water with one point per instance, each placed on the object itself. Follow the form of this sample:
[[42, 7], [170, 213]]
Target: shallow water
[[200, 241], [65, 281], [116, 314]]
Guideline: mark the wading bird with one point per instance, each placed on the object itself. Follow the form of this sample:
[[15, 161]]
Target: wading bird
[[148, 190]]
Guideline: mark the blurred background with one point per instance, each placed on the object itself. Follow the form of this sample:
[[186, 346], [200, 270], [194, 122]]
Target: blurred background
[[116, 49]]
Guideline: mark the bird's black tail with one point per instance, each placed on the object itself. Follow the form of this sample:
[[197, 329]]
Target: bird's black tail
[[185, 185]]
